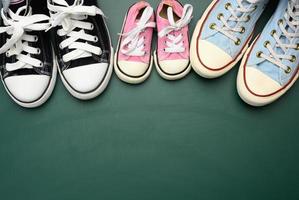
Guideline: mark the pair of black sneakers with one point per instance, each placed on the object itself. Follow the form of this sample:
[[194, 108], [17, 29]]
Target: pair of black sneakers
[[40, 38]]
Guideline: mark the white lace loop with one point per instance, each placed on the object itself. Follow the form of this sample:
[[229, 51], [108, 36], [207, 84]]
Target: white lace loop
[[175, 43], [290, 31], [237, 15], [133, 44], [71, 17], [18, 26]]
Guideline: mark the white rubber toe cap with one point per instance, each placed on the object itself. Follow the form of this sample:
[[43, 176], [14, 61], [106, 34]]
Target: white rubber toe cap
[[86, 78], [257, 89], [173, 66], [27, 88], [212, 56], [259, 83], [133, 68]]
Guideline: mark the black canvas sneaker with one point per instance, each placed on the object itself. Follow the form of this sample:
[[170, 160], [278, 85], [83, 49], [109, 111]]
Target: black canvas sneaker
[[26, 62], [82, 46]]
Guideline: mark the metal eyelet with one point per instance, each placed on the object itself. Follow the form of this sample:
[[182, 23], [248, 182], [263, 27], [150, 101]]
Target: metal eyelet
[[266, 43], [35, 38], [293, 59], [289, 70], [41, 64], [38, 51], [227, 5], [212, 26], [96, 39], [255, 7], [7, 54], [273, 32], [238, 42], [248, 18], [60, 46], [91, 27], [297, 47], [219, 16], [242, 30], [259, 54], [280, 21]]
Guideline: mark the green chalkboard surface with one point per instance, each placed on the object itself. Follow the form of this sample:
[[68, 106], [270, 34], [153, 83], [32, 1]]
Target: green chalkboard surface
[[192, 139]]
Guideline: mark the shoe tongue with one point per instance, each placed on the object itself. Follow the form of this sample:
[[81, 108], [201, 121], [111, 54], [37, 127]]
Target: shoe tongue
[[246, 4], [64, 2], [16, 4], [70, 2], [177, 8], [77, 2]]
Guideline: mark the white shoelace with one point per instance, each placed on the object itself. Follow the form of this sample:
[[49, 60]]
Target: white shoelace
[[133, 44], [175, 44], [290, 31], [235, 17], [19, 27], [71, 18]]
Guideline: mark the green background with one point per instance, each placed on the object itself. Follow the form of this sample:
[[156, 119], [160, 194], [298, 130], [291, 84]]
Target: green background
[[192, 139]]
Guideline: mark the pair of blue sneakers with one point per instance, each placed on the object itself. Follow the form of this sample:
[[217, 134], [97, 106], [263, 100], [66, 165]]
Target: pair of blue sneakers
[[223, 36]]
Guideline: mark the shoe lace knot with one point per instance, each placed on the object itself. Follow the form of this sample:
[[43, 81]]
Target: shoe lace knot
[[174, 43], [133, 44]]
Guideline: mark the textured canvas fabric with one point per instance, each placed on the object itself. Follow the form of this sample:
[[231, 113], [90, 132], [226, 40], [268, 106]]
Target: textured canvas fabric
[[268, 68]]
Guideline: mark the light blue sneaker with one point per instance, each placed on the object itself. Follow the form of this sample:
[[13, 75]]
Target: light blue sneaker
[[270, 66], [223, 34]]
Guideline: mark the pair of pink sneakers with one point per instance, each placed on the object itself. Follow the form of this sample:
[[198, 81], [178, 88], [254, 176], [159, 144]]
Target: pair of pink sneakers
[[134, 60]]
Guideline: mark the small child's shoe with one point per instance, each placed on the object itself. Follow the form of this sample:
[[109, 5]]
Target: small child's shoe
[[133, 59], [172, 55]]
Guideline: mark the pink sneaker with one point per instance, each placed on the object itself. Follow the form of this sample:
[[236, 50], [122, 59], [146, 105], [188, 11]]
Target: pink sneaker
[[133, 59], [172, 56]]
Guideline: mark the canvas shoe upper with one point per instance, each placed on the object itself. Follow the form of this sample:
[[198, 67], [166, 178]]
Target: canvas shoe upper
[[133, 60], [82, 46], [271, 66], [27, 69], [223, 35], [172, 55]]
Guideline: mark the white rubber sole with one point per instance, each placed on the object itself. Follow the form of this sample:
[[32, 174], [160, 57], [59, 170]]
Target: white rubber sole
[[129, 79], [94, 93], [168, 76], [197, 65], [45, 96], [252, 99]]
